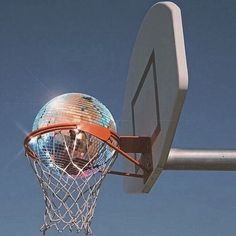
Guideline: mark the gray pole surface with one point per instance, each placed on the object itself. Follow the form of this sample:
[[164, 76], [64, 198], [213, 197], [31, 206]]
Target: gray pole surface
[[190, 159]]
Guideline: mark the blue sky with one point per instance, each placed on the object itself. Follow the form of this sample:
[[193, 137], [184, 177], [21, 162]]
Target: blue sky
[[53, 47]]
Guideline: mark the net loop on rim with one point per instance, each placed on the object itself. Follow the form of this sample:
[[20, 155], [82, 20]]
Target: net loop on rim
[[70, 162]]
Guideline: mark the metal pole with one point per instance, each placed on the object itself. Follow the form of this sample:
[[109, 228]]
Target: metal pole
[[189, 159]]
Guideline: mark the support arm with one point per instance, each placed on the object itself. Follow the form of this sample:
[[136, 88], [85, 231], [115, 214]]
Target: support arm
[[189, 159]]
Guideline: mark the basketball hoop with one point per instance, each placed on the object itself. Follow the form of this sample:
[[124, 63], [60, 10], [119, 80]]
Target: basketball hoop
[[70, 161]]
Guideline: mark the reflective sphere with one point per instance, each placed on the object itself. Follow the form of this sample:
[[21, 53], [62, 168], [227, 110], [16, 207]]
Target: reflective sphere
[[72, 152]]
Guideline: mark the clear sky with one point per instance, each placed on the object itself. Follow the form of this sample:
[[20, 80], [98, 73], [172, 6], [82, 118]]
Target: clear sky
[[48, 48]]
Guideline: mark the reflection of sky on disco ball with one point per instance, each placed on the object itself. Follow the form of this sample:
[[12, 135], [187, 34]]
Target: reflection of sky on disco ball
[[72, 150]]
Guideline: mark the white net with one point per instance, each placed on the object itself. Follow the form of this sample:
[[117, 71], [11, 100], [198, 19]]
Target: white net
[[70, 168]]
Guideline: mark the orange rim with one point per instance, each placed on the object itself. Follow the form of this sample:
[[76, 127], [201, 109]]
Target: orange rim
[[105, 134]]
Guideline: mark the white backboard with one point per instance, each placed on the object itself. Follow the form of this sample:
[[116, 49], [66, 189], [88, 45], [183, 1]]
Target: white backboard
[[156, 87]]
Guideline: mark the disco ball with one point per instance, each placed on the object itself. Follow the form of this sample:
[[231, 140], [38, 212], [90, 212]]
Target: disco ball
[[72, 152]]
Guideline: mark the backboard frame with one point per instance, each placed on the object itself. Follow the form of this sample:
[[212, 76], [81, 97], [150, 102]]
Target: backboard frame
[[156, 87]]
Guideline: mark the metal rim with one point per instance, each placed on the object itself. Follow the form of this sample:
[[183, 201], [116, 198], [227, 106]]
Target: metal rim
[[105, 134], [102, 133]]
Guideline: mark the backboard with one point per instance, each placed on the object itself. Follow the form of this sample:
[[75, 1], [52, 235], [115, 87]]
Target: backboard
[[156, 87]]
